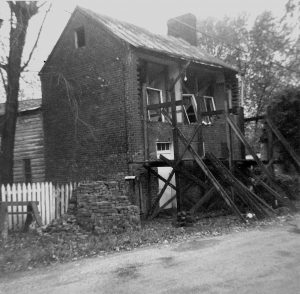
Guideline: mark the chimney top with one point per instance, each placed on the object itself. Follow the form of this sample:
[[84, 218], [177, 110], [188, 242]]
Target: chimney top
[[184, 27]]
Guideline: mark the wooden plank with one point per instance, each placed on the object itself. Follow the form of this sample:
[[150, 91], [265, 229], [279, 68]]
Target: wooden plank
[[47, 204], [67, 197], [185, 173], [14, 208], [168, 202], [23, 203], [241, 137], [3, 221], [243, 192], [164, 105], [254, 118], [62, 200], [52, 202], [211, 177], [203, 199], [283, 141], [160, 177], [145, 127], [39, 198]]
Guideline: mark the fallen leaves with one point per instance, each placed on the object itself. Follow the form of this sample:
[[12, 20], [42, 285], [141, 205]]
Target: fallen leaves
[[64, 240]]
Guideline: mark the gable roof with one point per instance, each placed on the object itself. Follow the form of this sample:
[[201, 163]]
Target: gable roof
[[24, 105], [141, 38]]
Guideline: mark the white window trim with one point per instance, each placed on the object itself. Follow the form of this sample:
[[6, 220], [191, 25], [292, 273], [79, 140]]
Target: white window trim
[[212, 100], [160, 100], [207, 119], [168, 151], [194, 103]]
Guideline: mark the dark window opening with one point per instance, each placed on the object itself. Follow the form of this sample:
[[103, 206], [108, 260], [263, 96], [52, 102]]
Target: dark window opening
[[163, 146], [27, 170], [79, 37], [154, 97]]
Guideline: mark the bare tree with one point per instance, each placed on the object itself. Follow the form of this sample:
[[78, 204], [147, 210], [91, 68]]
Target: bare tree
[[11, 68]]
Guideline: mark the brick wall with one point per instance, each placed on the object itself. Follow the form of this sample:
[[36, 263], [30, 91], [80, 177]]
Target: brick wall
[[88, 139], [214, 136]]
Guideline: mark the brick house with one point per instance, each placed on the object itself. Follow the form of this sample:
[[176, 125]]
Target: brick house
[[101, 86], [29, 163]]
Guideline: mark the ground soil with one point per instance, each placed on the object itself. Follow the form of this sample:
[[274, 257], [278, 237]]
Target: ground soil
[[260, 260]]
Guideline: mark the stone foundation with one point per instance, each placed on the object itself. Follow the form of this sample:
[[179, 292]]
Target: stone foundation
[[100, 206]]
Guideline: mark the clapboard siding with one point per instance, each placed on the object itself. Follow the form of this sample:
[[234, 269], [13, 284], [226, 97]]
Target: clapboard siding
[[29, 144]]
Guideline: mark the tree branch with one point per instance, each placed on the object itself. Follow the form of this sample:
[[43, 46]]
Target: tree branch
[[37, 39], [4, 82]]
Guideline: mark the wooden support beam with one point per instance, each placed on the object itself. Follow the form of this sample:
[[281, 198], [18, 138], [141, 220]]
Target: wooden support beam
[[241, 119], [244, 193], [160, 177], [284, 199], [228, 138], [272, 192], [145, 127], [32, 214], [175, 168], [3, 222], [207, 196], [211, 177], [164, 105], [254, 118], [284, 142], [167, 203], [185, 173]]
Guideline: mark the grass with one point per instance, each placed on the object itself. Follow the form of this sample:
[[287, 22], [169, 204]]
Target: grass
[[24, 251]]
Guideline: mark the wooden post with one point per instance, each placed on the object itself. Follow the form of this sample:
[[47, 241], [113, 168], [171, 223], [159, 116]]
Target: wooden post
[[200, 133], [3, 221], [284, 142], [284, 199], [241, 119], [228, 137], [176, 149]]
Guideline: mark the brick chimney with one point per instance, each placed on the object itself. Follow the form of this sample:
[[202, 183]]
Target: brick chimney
[[184, 27]]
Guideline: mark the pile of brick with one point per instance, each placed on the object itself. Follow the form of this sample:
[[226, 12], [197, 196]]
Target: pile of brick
[[101, 207]]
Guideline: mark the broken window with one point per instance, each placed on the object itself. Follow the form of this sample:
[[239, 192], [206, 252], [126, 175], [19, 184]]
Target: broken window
[[79, 37], [154, 96], [189, 108], [210, 106]]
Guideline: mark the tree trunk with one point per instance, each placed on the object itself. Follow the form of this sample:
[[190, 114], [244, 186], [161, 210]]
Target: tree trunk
[[17, 42]]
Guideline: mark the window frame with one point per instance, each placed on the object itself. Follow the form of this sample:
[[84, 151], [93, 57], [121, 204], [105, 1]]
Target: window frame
[[195, 107], [160, 101], [207, 119]]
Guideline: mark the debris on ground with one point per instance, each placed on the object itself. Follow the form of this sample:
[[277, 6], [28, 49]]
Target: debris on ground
[[63, 240]]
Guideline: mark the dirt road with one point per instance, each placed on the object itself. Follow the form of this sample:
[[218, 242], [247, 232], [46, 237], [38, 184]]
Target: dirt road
[[258, 261]]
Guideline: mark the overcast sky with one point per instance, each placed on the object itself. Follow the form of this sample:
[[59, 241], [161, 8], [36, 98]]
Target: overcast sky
[[150, 14]]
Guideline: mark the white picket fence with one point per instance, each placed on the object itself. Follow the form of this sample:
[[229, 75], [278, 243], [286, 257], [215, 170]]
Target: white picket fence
[[53, 200]]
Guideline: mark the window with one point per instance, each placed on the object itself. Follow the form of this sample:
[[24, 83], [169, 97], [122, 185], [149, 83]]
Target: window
[[154, 96], [163, 146], [189, 108], [27, 170], [79, 37], [209, 104]]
